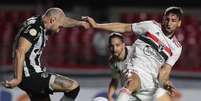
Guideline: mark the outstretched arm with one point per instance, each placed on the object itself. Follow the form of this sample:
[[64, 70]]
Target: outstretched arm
[[69, 22], [23, 46], [115, 27]]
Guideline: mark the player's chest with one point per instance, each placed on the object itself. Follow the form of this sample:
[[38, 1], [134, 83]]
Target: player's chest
[[161, 40], [120, 66]]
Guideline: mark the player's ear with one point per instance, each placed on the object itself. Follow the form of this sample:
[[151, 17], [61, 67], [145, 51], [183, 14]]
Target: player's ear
[[52, 20], [179, 23]]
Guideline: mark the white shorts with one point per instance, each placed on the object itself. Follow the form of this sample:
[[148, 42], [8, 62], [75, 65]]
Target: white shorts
[[149, 87]]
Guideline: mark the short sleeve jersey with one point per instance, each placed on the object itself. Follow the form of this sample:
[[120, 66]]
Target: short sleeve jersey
[[32, 30]]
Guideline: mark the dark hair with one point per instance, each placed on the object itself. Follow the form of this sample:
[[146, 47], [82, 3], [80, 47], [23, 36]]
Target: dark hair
[[175, 10], [116, 35]]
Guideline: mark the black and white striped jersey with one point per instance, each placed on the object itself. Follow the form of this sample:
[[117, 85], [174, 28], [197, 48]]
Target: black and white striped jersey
[[34, 31]]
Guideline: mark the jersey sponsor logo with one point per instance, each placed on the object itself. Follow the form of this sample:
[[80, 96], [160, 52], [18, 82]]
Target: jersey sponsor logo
[[151, 52], [33, 32]]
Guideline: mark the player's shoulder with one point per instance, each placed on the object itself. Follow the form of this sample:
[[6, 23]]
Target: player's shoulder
[[31, 26], [130, 50], [33, 22], [177, 46], [156, 23], [176, 42], [146, 22], [151, 23], [128, 47]]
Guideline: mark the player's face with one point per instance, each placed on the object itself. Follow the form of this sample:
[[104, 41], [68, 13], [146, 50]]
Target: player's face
[[171, 22], [116, 47], [56, 24]]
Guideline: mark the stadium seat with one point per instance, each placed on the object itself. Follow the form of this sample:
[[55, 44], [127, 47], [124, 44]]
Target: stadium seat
[[86, 46]]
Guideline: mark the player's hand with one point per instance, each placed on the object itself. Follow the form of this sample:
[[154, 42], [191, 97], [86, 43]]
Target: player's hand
[[173, 92], [90, 20], [84, 24], [11, 83]]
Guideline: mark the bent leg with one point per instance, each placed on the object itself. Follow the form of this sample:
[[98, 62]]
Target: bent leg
[[132, 85], [64, 84], [133, 82], [37, 86]]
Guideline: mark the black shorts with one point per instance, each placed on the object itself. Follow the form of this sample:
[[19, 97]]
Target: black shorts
[[37, 84]]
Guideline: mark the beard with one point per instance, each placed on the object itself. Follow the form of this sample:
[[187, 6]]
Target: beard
[[50, 32]]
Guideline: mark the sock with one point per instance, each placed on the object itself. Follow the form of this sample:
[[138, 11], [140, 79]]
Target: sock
[[70, 96]]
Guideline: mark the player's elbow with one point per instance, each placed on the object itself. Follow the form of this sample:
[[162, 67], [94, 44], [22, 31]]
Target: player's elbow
[[19, 53]]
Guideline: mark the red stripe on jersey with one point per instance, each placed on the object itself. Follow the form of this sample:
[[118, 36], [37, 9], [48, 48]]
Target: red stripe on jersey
[[153, 37], [167, 49]]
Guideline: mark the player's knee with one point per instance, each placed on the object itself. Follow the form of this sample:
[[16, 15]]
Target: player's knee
[[75, 85], [133, 83], [70, 85], [73, 93]]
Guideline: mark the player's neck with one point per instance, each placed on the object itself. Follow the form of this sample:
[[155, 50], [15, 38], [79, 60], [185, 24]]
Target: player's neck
[[168, 34]]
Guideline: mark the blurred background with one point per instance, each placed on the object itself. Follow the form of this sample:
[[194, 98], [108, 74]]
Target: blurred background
[[82, 54]]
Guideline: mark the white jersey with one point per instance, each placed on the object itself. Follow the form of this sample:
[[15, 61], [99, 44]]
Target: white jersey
[[119, 67], [119, 70], [145, 57], [153, 48]]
